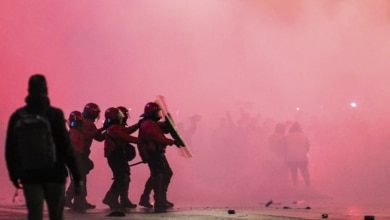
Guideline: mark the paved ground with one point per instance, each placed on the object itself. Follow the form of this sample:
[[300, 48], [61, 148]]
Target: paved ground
[[12, 211]]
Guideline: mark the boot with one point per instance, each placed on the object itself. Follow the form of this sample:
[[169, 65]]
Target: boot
[[128, 204], [68, 203], [111, 202], [144, 201], [81, 204], [123, 195], [160, 205], [165, 185], [69, 196], [169, 204]]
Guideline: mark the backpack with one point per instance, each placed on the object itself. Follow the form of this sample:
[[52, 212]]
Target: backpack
[[129, 152], [35, 143]]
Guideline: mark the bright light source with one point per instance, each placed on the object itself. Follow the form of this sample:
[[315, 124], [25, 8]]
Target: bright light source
[[353, 105], [298, 109]]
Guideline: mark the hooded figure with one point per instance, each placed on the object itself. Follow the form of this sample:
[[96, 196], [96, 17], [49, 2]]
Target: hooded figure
[[45, 183]]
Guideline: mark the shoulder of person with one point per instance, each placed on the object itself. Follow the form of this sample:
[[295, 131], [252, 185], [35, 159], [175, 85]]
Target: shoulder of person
[[56, 109], [15, 115], [114, 128], [89, 123], [55, 112], [148, 123], [18, 111]]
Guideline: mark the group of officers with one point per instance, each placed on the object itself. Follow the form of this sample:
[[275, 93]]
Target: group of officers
[[116, 135]]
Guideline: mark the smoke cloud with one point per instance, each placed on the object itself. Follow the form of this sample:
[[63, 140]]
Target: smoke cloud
[[239, 67]]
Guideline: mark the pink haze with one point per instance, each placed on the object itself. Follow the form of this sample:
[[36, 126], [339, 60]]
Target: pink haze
[[257, 62]]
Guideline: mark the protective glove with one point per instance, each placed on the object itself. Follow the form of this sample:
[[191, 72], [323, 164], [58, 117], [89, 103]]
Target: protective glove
[[105, 125], [178, 143], [171, 142], [167, 124]]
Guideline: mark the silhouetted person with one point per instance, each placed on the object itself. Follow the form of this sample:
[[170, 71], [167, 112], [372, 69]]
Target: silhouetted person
[[189, 131], [117, 137], [278, 146], [296, 155], [277, 141], [44, 183], [124, 194], [152, 148], [91, 114], [75, 122]]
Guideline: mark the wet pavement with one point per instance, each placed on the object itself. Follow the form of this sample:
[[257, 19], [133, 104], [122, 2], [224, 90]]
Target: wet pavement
[[272, 212]]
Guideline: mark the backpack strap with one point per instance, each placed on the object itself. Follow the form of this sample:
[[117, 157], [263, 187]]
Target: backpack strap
[[22, 112]]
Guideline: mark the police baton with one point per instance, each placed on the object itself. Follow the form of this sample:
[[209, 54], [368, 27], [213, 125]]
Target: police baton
[[134, 164]]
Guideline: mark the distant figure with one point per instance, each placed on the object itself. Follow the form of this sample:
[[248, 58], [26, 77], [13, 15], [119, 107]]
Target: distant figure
[[277, 145], [296, 156], [40, 173], [277, 141], [189, 131], [117, 138]]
